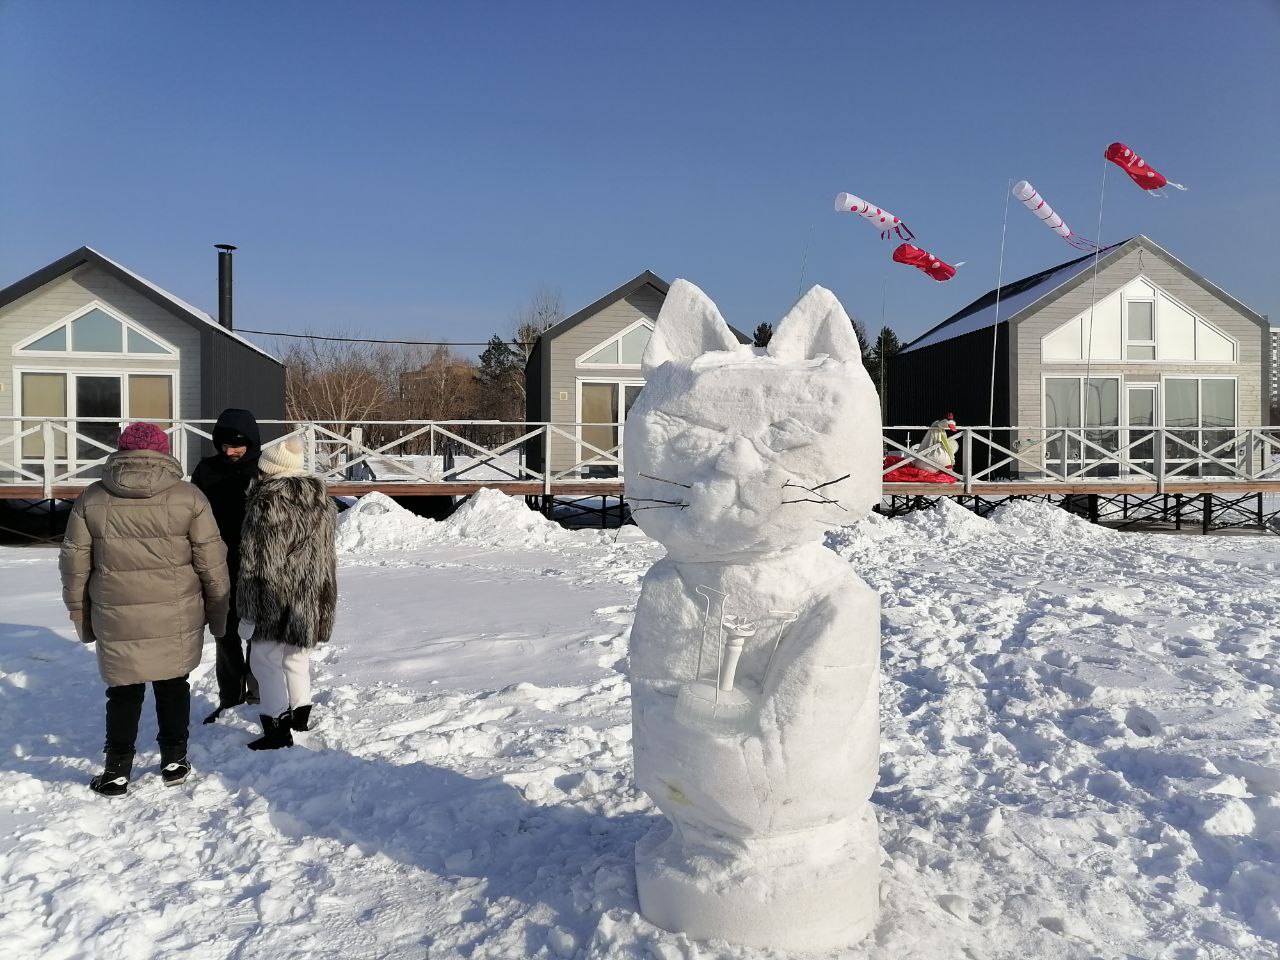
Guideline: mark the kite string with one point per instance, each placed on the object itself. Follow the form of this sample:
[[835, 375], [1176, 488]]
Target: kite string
[[804, 264], [995, 329], [1088, 357]]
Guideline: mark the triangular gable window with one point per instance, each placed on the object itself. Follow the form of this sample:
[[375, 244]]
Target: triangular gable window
[[624, 349], [53, 340], [95, 331], [140, 343]]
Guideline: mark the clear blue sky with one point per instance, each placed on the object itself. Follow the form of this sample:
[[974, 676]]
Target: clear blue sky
[[416, 169]]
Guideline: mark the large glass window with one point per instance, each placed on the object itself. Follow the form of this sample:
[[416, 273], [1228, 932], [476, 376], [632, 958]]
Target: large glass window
[[1201, 413], [150, 397], [604, 407], [78, 400], [1142, 422], [97, 397], [1084, 412], [43, 395]]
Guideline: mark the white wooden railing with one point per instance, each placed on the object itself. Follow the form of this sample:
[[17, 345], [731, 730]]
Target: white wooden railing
[[47, 453]]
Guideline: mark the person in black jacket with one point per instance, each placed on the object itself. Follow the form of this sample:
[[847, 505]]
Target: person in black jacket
[[224, 479]]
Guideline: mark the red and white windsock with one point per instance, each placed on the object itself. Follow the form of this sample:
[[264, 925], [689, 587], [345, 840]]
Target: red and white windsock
[[1032, 200], [883, 219], [1139, 171], [913, 256]]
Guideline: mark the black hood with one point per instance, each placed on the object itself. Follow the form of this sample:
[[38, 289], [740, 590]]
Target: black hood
[[234, 422]]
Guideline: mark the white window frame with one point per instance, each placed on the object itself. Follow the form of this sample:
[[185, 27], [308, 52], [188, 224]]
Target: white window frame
[[1200, 378], [617, 337], [20, 348], [72, 461], [1157, 412], [1121, 412], [1155, 330], [1183, 455], [620, 384]]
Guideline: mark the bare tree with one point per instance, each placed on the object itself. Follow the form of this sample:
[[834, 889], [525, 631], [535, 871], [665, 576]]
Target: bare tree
[[332, 380], [442, 388], [543, 309]]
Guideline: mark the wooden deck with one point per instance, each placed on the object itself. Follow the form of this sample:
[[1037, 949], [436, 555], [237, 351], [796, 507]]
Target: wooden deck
[[515, 488], [614, 488]]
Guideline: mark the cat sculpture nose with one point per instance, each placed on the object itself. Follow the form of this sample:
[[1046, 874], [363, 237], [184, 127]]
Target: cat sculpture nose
[[740, 459]]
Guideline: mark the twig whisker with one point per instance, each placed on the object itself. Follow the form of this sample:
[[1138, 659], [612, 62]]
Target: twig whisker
[[829, 483], [665, 480]]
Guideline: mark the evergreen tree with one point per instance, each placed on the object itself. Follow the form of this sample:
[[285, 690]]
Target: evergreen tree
[[860, 331], [501, 378], [878, 361], [763, 334]]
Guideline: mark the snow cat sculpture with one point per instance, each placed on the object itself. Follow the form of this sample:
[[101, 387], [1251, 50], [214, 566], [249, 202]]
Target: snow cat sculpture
[[755, 650]]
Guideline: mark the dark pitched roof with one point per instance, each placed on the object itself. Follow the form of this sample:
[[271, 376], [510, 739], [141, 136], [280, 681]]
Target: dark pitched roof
[[139, 284], [1020, 296], [1014, 298], [612, 297]]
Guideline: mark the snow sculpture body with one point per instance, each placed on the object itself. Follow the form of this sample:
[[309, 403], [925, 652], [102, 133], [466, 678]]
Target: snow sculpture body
[[755, 650]]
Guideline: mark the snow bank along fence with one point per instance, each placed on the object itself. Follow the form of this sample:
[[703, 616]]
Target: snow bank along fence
[[55, 458]]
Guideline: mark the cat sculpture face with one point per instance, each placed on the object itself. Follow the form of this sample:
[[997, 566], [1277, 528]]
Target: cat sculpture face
[[734, 452]]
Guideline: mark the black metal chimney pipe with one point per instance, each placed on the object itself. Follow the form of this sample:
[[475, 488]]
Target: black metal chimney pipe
[[224, 283]]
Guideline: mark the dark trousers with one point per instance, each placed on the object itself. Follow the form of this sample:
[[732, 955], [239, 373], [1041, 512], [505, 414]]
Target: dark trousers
[[231, 666], [173, 714]]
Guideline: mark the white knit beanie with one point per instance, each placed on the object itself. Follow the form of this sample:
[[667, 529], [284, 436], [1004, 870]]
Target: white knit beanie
[[283, 459]]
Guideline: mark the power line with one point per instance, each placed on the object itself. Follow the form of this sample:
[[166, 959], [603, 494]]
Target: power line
[[406, 343]]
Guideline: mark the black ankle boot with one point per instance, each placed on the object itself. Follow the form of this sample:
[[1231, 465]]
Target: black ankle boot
[[113, 781], [275, 733], [174, 765], [301, 718]]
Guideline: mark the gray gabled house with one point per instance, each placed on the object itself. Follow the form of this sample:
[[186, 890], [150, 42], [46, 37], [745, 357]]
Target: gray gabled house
[[85, 336], [1148, 343], [584, 374]]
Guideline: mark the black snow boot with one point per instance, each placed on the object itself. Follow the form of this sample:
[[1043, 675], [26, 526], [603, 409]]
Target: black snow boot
[[301, 718], [275, 733], [113, 781], [174, 765]]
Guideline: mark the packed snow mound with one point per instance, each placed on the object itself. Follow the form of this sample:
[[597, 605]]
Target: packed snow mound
[[1023, 518], [496, 518], [946, 520], [376, 522], [871, 531]]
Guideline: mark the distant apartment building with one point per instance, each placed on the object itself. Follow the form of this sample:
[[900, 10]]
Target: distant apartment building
[[1273, 379]]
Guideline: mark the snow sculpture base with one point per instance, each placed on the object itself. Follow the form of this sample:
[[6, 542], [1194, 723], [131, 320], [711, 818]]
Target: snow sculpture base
[[813, 892]]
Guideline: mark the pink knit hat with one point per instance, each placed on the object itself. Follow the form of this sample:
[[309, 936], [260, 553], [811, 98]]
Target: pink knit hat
[[143, 436]]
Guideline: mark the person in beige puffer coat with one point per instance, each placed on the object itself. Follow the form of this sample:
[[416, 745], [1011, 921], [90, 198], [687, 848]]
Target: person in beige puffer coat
[[143, 571]]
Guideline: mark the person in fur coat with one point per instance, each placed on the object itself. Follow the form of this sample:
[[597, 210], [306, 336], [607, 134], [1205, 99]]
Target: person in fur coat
[[287, 587]]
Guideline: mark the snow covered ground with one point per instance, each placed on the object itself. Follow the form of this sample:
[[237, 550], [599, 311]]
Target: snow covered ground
[[1080, 756]]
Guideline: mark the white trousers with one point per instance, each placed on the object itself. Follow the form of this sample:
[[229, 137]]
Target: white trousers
[[283, 672]]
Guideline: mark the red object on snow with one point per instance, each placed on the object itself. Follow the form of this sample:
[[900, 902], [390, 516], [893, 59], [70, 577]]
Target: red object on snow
[[913, 256], [909, 472], [1137, 169]]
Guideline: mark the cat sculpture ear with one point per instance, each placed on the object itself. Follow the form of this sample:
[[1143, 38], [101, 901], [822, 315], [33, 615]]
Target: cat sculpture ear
[[817, 325], [688, 326]]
